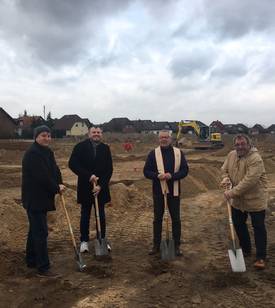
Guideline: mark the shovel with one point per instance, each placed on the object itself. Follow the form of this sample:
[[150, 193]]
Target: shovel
[[167, 246], [101, 248], [235, 254], [80, 263]]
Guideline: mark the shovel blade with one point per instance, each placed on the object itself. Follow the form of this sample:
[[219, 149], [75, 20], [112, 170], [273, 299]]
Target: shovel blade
[[101, 248], [79, 261], [237, 260], [167, 250]]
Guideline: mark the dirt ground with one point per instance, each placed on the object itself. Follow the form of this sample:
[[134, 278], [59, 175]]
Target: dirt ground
[[131, 278]]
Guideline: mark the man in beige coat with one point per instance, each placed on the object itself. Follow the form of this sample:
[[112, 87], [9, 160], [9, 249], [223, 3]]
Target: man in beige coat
[[244, 177]]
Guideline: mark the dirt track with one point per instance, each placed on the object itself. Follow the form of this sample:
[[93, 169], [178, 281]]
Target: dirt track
[[201, 278]]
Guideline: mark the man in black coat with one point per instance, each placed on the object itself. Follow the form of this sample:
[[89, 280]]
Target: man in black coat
[[165, 166], [41, 181], [91, 161]]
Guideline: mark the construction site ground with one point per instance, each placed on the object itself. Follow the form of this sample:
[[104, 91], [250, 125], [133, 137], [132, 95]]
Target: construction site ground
[[132, 278]]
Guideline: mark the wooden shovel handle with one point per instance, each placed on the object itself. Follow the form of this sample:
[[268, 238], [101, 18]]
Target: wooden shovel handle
[[166, 210], [229, 209], [230, 220], [68, 219], [97, 213]]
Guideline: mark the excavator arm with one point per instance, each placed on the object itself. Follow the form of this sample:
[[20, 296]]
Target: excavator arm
[[206, 138]]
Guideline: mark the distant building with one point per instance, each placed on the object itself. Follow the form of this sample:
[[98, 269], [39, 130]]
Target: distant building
[[118, 125], [217, 127], [143, 126], [257, 129], [235, 129], [173, 126], [158, 126], [71, 125], [7, 125], [26, 125], [271, 129]]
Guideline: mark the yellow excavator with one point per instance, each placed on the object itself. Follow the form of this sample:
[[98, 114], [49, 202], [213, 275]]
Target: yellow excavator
[[208, 138]]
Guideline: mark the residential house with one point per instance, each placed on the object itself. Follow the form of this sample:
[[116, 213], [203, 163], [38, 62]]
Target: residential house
[[271, 129], [26, 125], [71, 125], [235, 129], [158, 126], [7, 125], [217, 127], [118, 125], [173, 126], [143, 126], [257, 129]]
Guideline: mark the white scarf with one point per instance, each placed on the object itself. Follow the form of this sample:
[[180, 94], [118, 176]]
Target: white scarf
[[160, 166]]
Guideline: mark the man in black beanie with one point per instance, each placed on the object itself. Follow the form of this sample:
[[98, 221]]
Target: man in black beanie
[[41, 180], [41, 129]]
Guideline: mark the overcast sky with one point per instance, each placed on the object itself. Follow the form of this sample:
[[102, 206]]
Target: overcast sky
[[145, 59]]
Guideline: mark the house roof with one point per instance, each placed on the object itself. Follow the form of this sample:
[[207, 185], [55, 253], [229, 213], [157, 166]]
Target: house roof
[[7, 115], [271, 128], [258, 126], [160, 125], [87, 121], [121, 121], [27, 121], [142, 125], [67, 122]]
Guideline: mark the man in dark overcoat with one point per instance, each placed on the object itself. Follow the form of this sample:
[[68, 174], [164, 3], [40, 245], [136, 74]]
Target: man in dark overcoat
[[41, 181], [91, 161]]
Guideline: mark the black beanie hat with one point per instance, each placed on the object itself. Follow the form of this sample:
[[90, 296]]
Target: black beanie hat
[[40, 129]]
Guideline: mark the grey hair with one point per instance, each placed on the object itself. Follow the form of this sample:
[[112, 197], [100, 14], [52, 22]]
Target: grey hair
[[166, 131], [243, 136]]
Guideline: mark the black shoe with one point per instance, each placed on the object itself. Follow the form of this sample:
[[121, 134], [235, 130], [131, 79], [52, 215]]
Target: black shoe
[[31, 265], [48, 274], [178, 252], [154, 251]]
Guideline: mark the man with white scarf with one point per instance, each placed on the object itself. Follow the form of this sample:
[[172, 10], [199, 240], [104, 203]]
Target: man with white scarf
[[166, 166]]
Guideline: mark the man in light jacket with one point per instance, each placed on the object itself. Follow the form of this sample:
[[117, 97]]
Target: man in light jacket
[[243, 172]]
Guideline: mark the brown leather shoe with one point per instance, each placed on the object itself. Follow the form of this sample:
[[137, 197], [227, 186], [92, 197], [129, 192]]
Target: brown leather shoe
[[259, 264], [154, 251]]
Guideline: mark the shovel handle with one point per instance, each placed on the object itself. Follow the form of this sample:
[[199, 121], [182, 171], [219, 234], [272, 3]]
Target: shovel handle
[[68, 220], [97, 214], [231, 224], [166, 211], [229, 209]]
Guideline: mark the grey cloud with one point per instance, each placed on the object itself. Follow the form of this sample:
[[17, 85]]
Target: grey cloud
[[195, 61], [266, 72], [160, 8], [231, 19], [56, 31], [230, 69]]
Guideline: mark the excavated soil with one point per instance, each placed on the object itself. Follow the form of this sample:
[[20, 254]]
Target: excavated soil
[[131, 278]]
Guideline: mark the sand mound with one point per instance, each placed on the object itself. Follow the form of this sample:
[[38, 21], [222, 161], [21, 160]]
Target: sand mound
[[124, 197]]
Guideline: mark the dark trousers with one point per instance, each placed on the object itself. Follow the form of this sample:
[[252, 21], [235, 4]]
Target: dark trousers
[[174, 210], [85, 221], [258, 223], [37, 247]]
